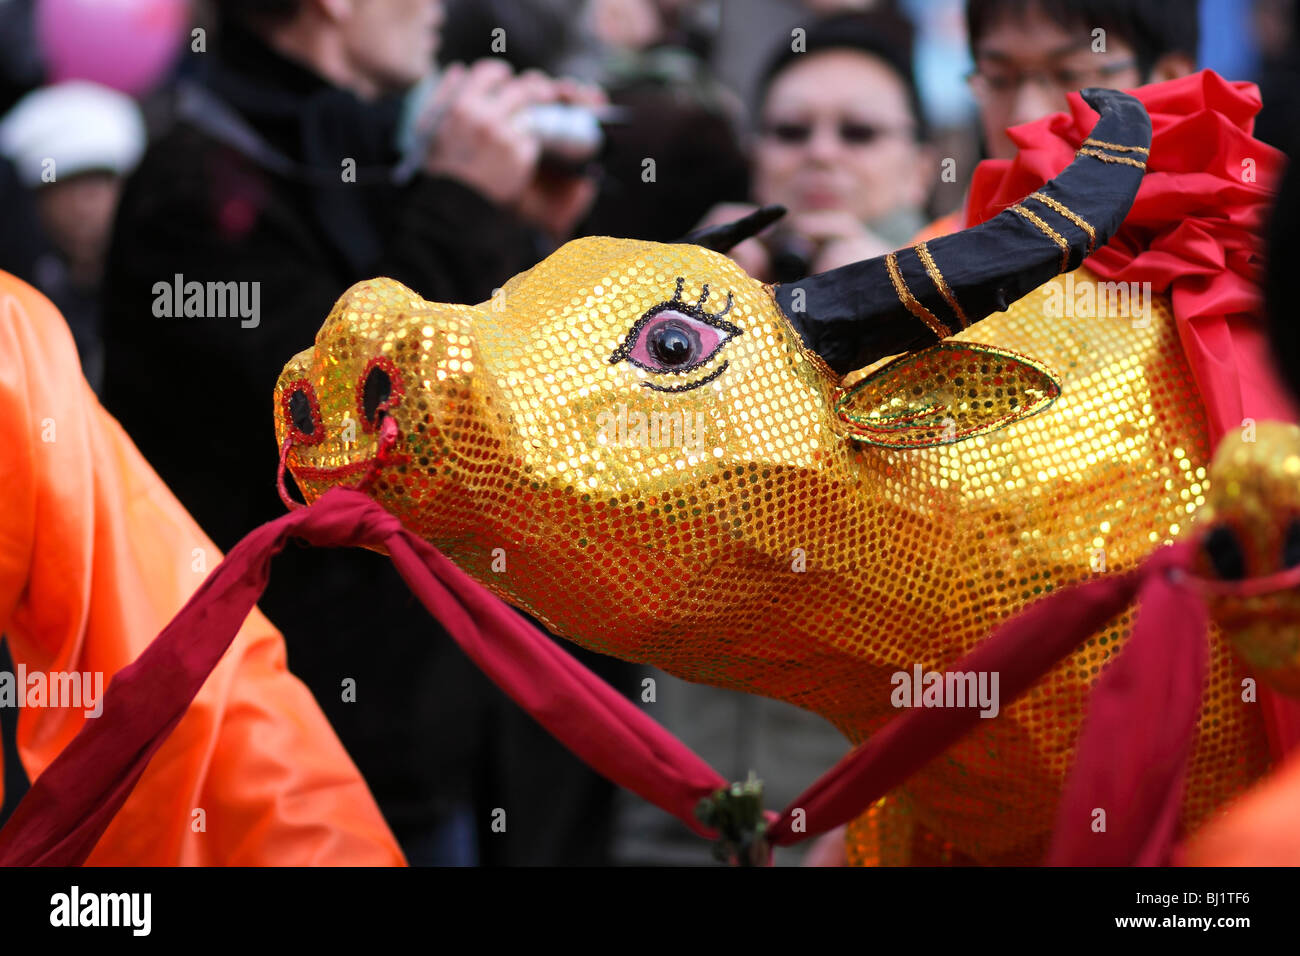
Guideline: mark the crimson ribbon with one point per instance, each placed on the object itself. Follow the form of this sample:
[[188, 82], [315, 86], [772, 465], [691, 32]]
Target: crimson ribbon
[[1136, 776]]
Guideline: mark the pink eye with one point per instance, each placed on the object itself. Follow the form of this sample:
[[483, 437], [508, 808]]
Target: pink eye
[[672, 342], [676, 337]]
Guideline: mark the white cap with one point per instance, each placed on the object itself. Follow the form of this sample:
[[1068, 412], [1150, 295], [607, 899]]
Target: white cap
[[81, 126]]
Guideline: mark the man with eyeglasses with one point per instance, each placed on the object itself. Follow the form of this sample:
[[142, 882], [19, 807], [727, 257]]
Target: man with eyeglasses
[[1030, 53], [841, 144]]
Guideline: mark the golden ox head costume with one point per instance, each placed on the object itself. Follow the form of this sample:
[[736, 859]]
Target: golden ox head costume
[[655, 454]]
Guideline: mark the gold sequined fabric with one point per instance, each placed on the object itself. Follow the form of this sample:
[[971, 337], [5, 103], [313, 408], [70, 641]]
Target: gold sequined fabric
[[945, 394], [631, 443]]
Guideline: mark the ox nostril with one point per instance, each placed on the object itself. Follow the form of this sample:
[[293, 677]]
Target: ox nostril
[[300, 412], [377, 390], [1225, 554]]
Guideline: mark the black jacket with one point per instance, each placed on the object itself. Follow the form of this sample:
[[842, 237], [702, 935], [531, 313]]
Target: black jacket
[[195, 394]]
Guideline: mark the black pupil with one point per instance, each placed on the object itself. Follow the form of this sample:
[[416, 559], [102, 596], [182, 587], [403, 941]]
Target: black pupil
[[1225, 553], [671, 345], [377, 389], [300, 412]]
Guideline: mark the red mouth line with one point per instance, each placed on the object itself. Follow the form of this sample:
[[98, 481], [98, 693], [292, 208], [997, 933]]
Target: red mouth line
[[369, 467], [343, 471]]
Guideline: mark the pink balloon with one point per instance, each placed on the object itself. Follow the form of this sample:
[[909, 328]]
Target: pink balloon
[[126, 44]]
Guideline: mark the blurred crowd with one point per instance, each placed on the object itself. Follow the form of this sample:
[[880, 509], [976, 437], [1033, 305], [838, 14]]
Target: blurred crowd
[[304, 145]]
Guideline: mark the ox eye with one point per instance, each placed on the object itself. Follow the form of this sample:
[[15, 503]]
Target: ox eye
[[672, 342], [675, 337]]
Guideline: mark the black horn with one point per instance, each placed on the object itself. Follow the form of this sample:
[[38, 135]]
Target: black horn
[[910, 299], [730, 234]]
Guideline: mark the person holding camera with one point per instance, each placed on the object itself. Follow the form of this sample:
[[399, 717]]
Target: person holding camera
[[283, 174], [841, 145]]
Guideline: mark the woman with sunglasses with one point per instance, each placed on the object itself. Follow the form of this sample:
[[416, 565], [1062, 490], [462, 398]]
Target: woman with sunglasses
[[840, 144]]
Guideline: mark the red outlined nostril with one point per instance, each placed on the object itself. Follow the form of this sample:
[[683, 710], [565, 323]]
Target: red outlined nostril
[[302, 413], [379, 389]]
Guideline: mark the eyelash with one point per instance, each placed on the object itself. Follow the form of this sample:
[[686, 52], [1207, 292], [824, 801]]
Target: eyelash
[[695, 311], [689, 385]]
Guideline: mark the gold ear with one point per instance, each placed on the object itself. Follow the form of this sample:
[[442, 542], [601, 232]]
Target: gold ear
[[945, 394]]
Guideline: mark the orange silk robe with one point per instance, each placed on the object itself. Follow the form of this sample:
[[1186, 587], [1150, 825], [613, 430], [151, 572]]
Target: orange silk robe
[[96, 556]]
